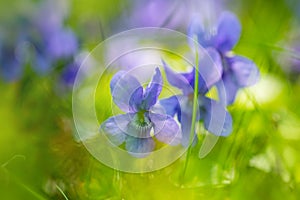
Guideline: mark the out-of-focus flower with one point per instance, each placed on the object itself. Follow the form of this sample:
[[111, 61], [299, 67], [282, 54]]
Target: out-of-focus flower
[[222, 36], [57, 41], [134, 128], [39, 39], [156, 13], [50, 16], [10, 66], [182, 105], [61, 44], [14, 48], [119, 57], [69, 74], [238, 71], [289, 59], [294, 61]]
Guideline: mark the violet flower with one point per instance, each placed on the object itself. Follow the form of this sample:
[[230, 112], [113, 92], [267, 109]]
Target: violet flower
[[182, 105], [134, 128], [238, 71]]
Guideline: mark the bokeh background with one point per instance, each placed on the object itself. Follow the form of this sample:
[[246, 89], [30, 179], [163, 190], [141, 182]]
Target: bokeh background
[[42, 44]]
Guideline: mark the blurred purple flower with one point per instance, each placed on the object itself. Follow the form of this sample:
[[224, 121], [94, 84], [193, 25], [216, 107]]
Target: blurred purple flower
[[11, 68], [50, 16], [157, 13], [182, 105], [238, 71], [289, 59], [69, 74], [39, 39], [294, 62], [14, 54], [222, 36], [14, 48], [135, 126], [61, 44], [118, 55], [53, 41], [56, 42]]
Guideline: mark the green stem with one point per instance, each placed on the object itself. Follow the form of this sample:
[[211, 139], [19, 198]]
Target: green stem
[[62, 192], [194, 115]]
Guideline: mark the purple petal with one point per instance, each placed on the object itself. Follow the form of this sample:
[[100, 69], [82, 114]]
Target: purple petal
[[177, 80], [190, 76], [205, 38], [186, 123], [244, 71], [186, 120], [216, 119], [139, 147], [125, 90], [171, 106], [166, 129], [210, 68], [153, 90], [136, 99], [114, 128], [210, 71], [227, 89], [229, 31]]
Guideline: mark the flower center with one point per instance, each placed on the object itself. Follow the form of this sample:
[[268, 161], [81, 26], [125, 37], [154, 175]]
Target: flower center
[[140, 126], [140, 118]]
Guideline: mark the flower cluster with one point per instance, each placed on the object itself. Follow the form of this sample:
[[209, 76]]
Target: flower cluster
[[47, 43], [43, 42], [229, 74], [143, 114]]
